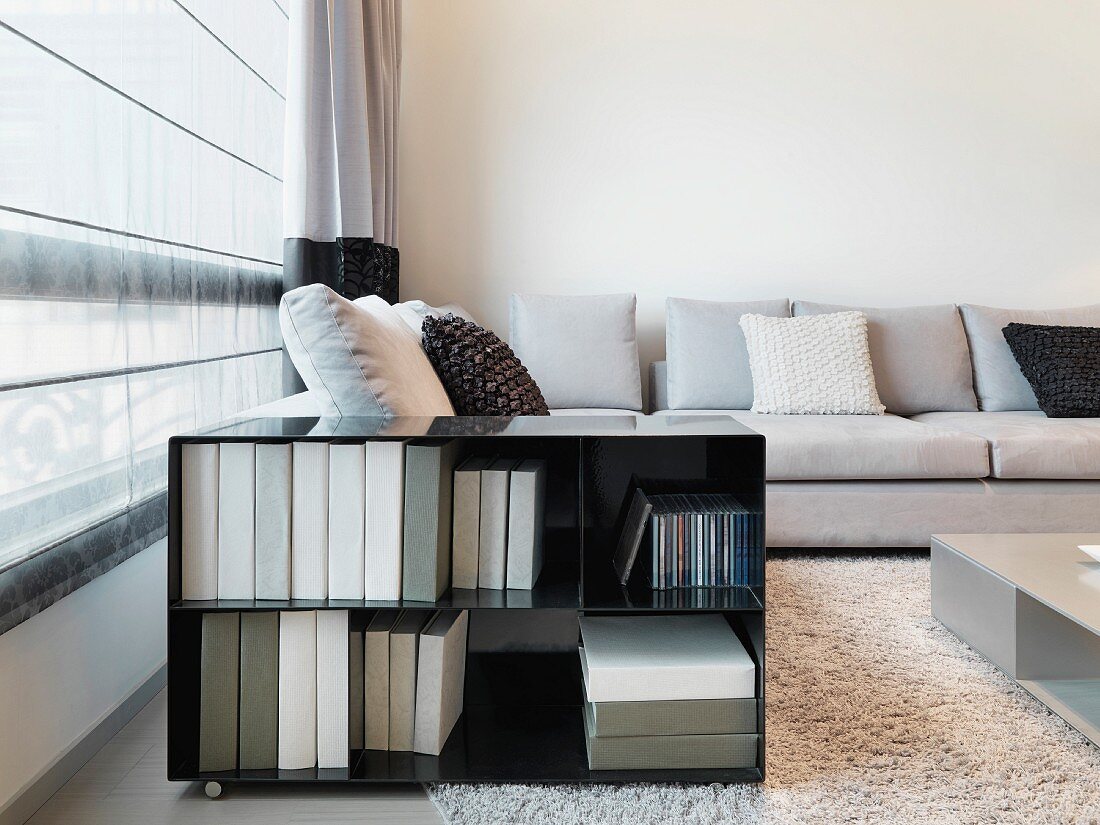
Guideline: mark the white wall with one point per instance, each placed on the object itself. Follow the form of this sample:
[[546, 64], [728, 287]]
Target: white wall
[[849, 151], [66, 668]]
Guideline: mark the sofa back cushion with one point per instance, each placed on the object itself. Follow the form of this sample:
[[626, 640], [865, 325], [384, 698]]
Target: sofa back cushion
[[708, 364], [358, 358], [582, 350], [919, 354], [1000, 384], [413, 313]]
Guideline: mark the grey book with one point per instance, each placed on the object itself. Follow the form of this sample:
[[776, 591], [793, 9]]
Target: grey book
[[273, 508], [440, 676], [429, 483], [376, 680], [493, 533], [259, 709], [467, 521], [404, 641], [356, 704], [691, 752], [674, 717], [218, 684], [526, 515]]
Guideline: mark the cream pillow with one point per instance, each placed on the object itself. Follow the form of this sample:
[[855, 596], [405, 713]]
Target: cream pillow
[[811, 365], [358, 359]]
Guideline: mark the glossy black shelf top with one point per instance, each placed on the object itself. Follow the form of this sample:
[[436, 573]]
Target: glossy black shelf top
[[563, 426], [490, 744], [551, 596], [604, 593]]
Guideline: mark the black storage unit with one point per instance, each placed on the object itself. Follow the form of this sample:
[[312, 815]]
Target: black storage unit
[[522, 720]]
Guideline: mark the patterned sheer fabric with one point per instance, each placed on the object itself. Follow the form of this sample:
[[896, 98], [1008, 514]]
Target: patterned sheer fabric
[[140, 259]]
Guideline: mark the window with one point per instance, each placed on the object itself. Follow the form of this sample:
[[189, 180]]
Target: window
[[140, 247]]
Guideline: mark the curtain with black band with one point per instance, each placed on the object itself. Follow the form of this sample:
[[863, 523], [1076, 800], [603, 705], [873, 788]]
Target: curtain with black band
[[340, 168]]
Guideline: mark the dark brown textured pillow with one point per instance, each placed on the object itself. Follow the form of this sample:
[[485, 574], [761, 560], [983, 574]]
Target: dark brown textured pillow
[[480, 372], [1062, 365]]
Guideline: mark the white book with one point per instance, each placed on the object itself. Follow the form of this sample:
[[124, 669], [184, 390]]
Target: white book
[[273, 508], [297, 689], [332, 689], [347, 501], [467, 520], [440, 676], [643, 658], [199, 522], [376, 680], [526, 508], [384, 519], [309, 522], [237, 521], [493, 532]]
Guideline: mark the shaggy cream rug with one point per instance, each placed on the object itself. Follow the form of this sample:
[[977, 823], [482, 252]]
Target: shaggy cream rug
[[875, 713]]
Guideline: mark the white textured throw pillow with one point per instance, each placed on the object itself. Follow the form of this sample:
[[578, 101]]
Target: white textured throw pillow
[[812, 365]]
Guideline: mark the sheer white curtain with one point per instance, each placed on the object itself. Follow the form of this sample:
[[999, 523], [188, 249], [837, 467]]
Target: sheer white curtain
[[140, 254]]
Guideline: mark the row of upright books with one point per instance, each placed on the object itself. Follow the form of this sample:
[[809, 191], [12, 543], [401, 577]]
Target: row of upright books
[[313, 520], [499, 506], [668, 692], [298, 689]]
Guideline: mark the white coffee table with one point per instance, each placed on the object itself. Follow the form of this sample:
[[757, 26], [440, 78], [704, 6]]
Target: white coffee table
[[1029, 603]]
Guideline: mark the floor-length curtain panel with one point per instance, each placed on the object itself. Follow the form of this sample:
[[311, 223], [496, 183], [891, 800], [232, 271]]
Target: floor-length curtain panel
[[340, 169]]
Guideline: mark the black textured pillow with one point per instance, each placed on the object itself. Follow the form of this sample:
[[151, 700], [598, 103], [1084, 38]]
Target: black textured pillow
[[1062, 364], [480, 372]]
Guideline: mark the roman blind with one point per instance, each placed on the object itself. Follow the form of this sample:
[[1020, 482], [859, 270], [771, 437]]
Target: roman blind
[[140, 264]]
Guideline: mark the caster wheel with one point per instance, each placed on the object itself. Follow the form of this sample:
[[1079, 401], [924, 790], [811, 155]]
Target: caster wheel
[[213, 789]]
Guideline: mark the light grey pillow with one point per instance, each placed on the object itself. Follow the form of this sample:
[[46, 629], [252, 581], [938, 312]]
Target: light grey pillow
[[413, 313], [997, 377], [582, 350], [920, 356], [708, 365], [358, 358]]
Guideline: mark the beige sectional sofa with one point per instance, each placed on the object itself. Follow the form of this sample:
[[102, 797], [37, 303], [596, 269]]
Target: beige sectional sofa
[[963, 447]]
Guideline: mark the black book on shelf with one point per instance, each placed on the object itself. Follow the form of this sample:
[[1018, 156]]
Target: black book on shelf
[[630, 540]]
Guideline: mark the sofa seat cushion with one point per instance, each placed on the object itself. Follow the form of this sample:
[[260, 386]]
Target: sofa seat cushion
[[828, 447], [1026, 444]]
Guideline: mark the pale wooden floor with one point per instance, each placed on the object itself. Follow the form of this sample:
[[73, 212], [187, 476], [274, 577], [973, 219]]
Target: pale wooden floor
[[124, 784]]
